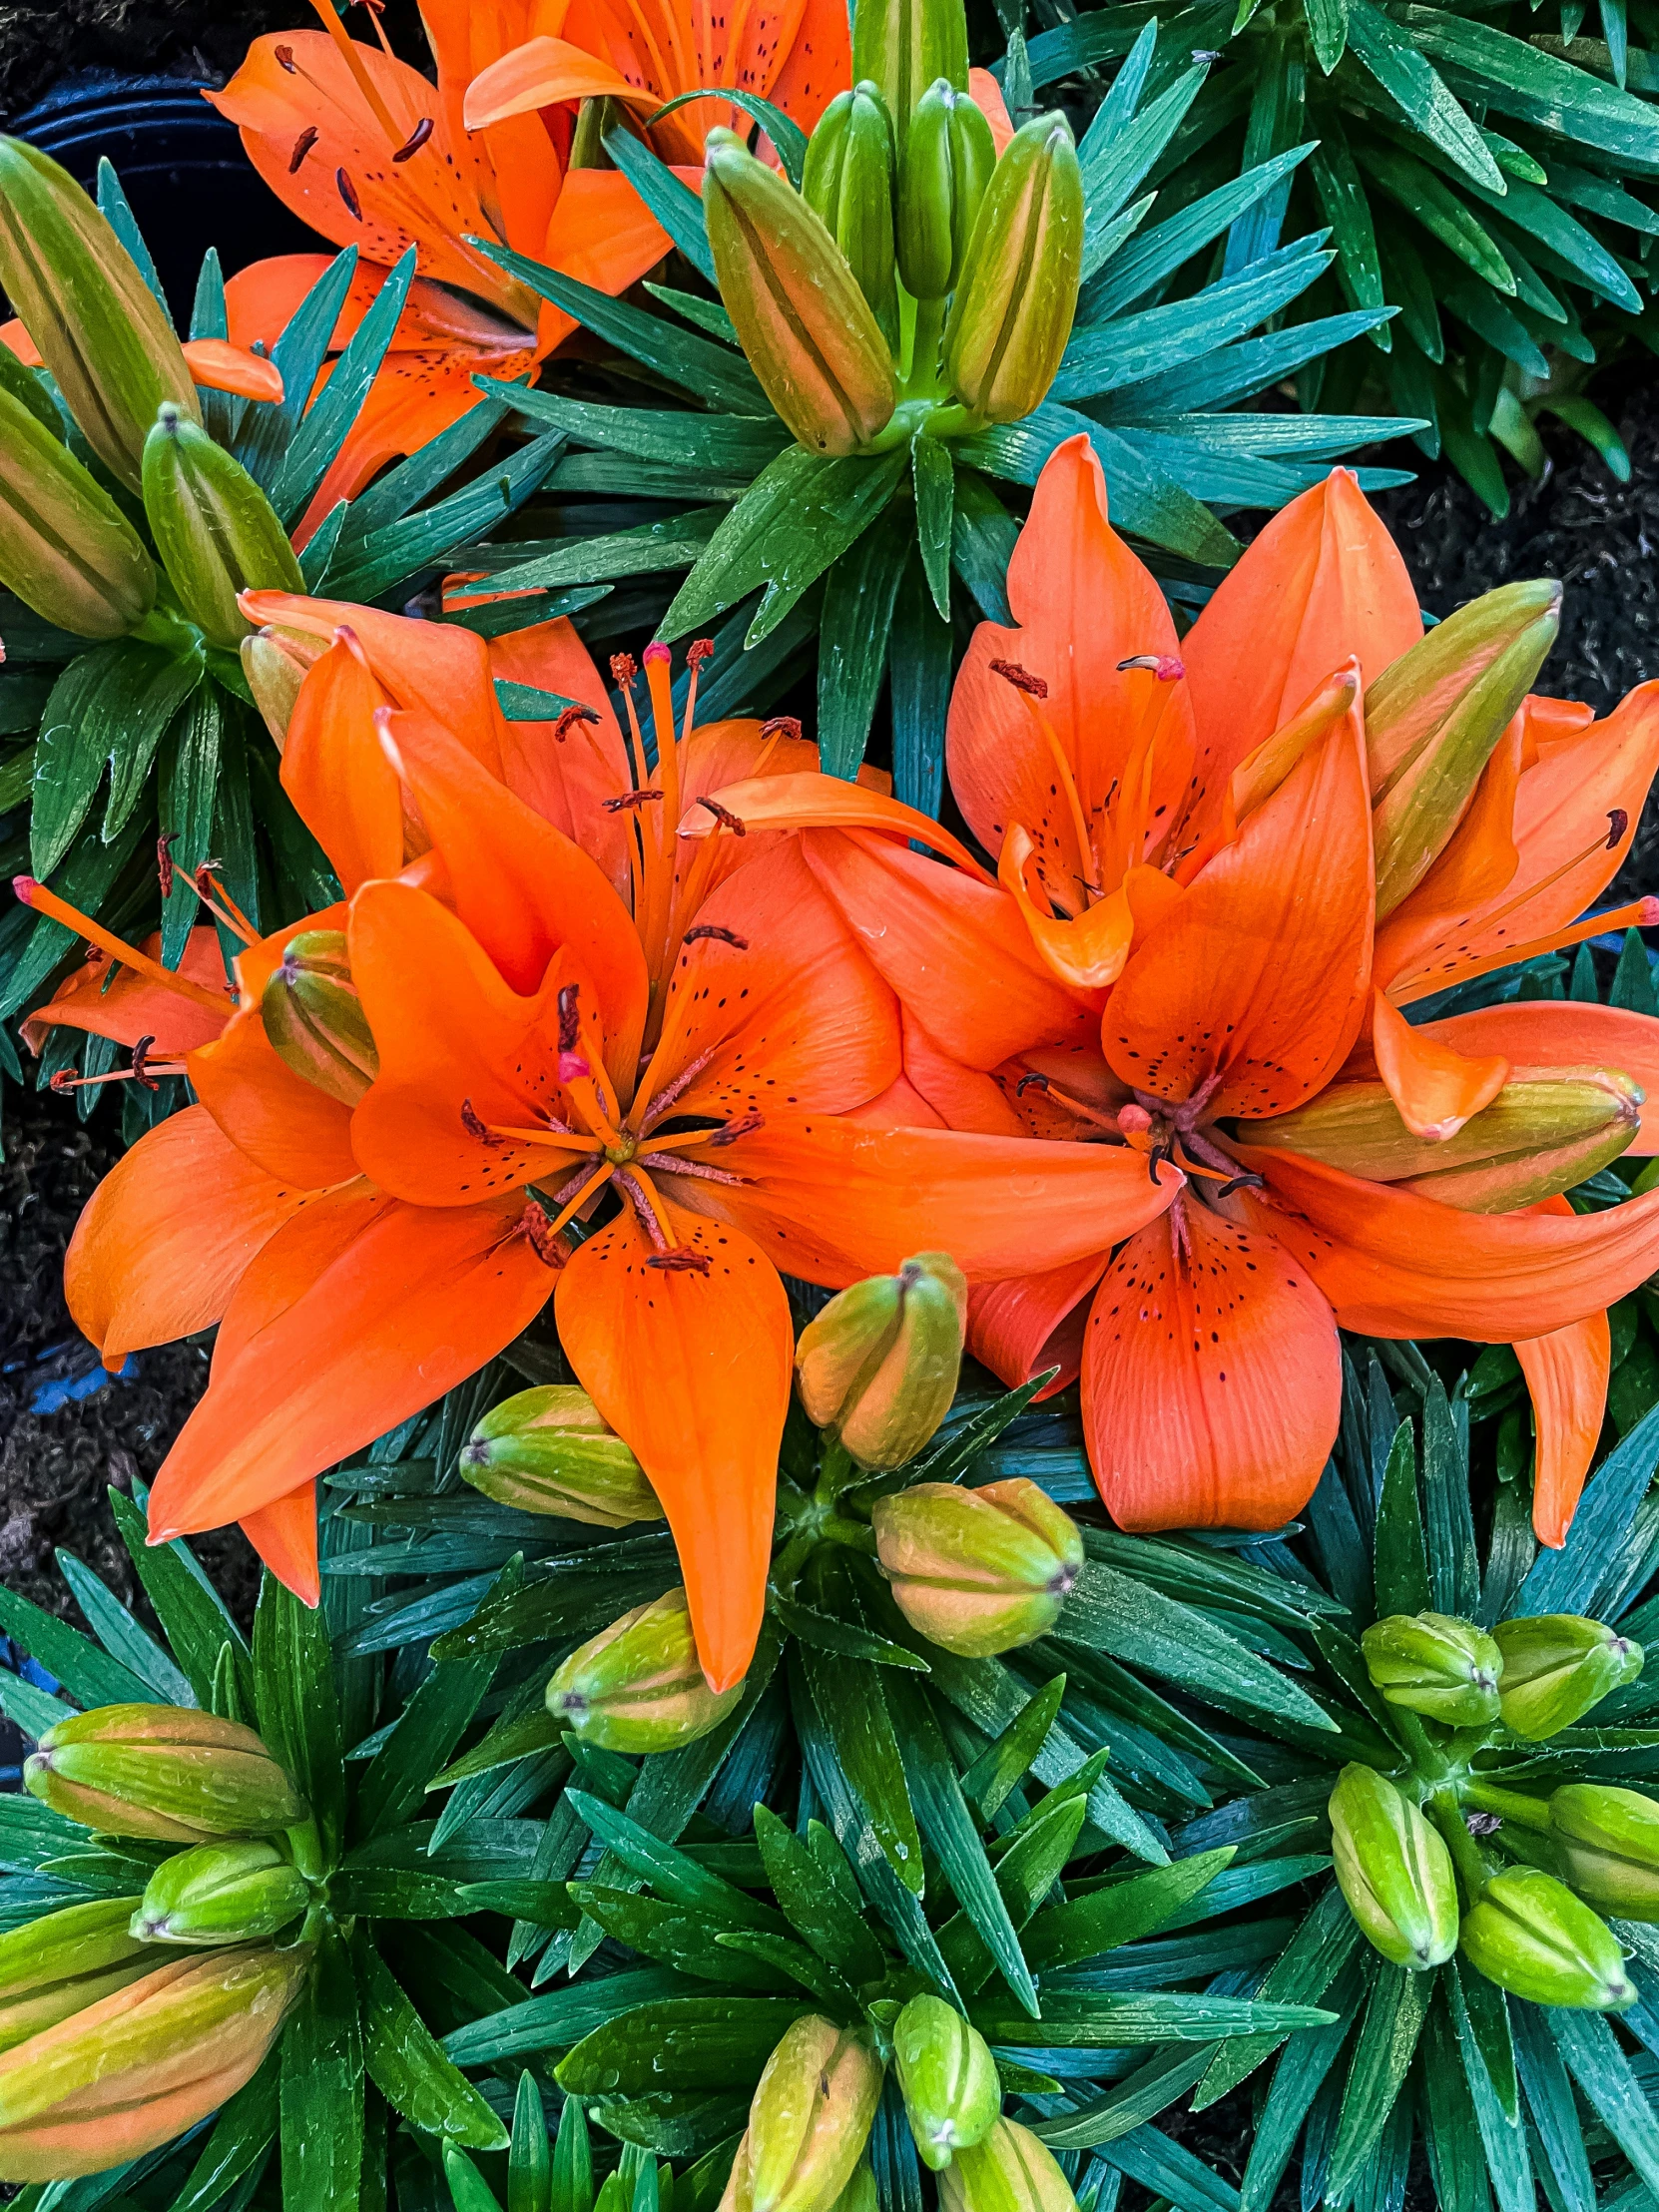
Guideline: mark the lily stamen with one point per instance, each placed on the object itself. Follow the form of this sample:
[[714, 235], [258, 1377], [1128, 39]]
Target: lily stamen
[[35, 896]]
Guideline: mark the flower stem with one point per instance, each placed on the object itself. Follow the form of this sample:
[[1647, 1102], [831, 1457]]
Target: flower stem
[[1447, 1816], [1508, 1805]]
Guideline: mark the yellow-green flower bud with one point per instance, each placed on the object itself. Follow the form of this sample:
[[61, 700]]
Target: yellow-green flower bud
[[849, 182], [314, 1019], [274, 666], [1556, 1667], [810, 2118], [1529, 1933], [809, 334], [879, 1364], [237, 1892], [978, 1572], [1009, 2171], [127, 2075], [549, 1451], [1014, 303], [66, 548], [161, 1770], [904, 46], [100, 329], [1433, 1664], [216, 532], [949, 158], [1393, 1870], [62, 1963], [1434, 718], [952, 2096], [636, 1685], [1607, 1844]]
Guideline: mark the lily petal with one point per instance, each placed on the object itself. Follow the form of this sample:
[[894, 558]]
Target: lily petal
[[566, 780], [1566, 1376], [132, 1005], [222, 367], [546, 73], [285, 1536], [1436, 1088], [1562, 1033], [1020, 1328], [814, 802], [336, 770]]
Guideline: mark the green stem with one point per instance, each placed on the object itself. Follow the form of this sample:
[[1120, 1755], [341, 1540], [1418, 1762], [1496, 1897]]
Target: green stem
[[1447, 1816], [1508, 1805], [1420, 1748], [789, 1561], [923, 379], [856, 1535], [305, 1843], [834, 1472]]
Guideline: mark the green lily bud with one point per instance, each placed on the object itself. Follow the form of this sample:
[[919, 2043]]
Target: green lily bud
[[636, 1685], [1393, 1870], [849, 182], [66, 1961], [977, 1571], [952, 2096], [549, 1451], [1607, 1841], [879, 1364], [1434, 718], [221, 1894], [809, 334], [275, 668], [1013, 308], [950, 158], [1529, 1933], [906, 46], [314, 1020], [811, 2117], [216, 532], [1009, 2171], [161, 1770], [1556, 1666], [129, 2074], [101, 330], [1433, 1664], [66, 548]]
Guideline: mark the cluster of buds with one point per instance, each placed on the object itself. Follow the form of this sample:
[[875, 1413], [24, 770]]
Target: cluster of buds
[[1402, 1843], [916, 279], [69, 547]]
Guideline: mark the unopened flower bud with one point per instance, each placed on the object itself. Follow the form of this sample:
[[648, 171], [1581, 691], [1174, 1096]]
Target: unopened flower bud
[[100, 329], [161, 1770], [1393, 1870], [1009, 2171], [952, 2096], [1433, 1664], [809, 333], [64, 1962], [1556, 1666], [66, 548], [636, 1685], [549, 1451], [127, 2075], [1607, 1843], [1529, 1933], [977, 1571], [234, 1893], [849, 182], [1013, 307], [879, 1364], [950, 158], [216, 532], [810, 2118], [275, 664], [906, 45], [314, 1019], [1434, 719]]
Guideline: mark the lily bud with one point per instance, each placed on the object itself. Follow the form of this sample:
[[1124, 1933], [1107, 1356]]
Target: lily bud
[[1393, 1870], [1529, 1933], [1434, 718], [1607, 1841], [549, 1451], [221, 1894], [314, 1020], [216, 532], [1013, 308], [950, 158], [809, 331], [66, 1961], [1555, 1667], [1433, 1664], [879, 1364], [100, 329], [1009, 2171], [636, 1685], [952, 2096], [906, 45], [66, 548], [127, 2075], [977, 1571], [161, 1770], [811, 2117], [849, 182], [274, 666]]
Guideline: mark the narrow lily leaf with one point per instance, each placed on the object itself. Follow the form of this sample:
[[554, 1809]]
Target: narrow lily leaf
[[322, 428], [933, 475], [855, 627], [786, 135], [89, 1675], [1420, 91], [1401, 1561], [1084, 1927], [670, 1872], [408, 2068], [676, 206], [1566, 1581], [1394, 2014], [1296, 2080], [1003, 1763], [238, 2142], [1549, 2101], [299, 1713], [815, 1906], [120, 1635], [853, 1701], [321, 2126]]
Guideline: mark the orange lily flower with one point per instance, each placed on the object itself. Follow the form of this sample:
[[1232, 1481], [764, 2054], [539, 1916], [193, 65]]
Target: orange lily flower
[[694, 1067], [1182, 955]]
